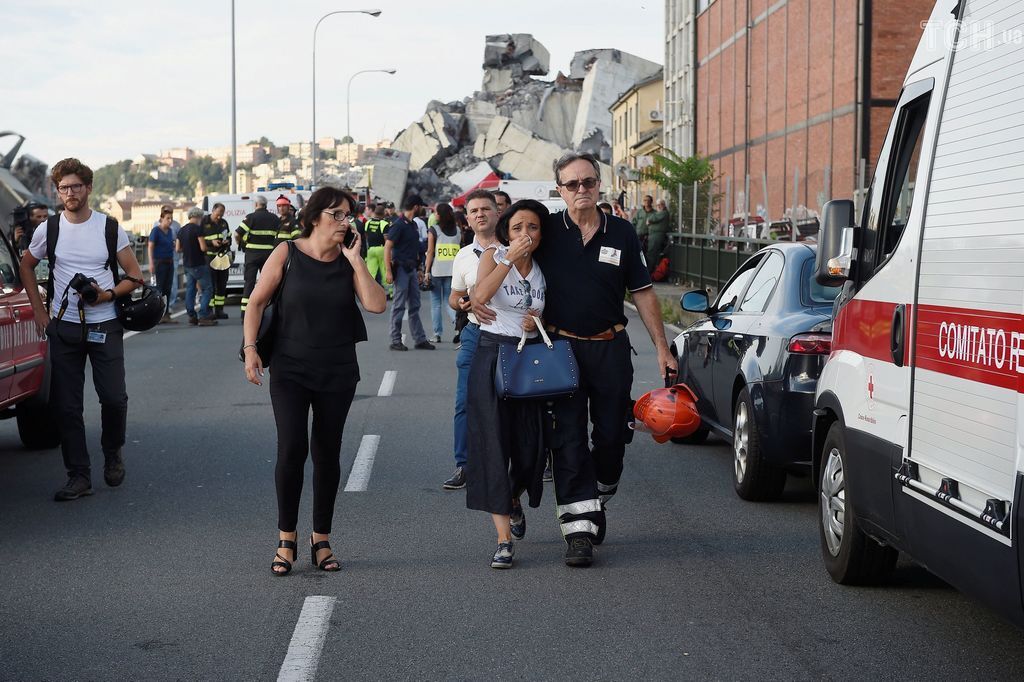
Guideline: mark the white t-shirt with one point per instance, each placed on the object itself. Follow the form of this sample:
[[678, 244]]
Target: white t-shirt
[[514, 297], [464, 269], [81, 248]]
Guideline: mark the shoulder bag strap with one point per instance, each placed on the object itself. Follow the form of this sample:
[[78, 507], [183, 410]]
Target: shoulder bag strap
[[110, 232], [52, 232]]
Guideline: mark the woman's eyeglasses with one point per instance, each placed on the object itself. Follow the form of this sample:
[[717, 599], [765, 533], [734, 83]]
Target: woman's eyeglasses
[[339, 216]]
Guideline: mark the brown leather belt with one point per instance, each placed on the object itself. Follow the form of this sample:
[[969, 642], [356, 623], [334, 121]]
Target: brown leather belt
[[606, 335]]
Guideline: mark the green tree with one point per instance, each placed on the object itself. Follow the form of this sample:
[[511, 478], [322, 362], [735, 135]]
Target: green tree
[[672, 171]]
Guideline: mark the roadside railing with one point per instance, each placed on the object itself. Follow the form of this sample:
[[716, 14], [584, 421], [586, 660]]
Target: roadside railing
[[708, 260]]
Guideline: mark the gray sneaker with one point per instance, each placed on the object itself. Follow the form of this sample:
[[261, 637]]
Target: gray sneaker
[[517, 521], [77, 486], [503, 555]]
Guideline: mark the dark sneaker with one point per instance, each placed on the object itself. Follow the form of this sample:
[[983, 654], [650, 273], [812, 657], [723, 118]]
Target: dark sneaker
[[503, 555], [76, 487], [207, 322], [457, 481], [456, 338], [425, 345], [580, 552], [398, 346], [193, 320], [548, 476], [113, 469], [517, 520], [221, 315]]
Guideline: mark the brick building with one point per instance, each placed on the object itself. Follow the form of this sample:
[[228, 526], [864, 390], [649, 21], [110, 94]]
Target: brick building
[[797, 94]]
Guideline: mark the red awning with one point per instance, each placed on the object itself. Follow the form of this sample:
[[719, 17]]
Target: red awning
[[491, 181]]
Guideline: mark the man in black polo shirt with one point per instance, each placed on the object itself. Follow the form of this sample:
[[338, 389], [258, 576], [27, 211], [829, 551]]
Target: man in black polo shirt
[[589, 260], [401, 259]]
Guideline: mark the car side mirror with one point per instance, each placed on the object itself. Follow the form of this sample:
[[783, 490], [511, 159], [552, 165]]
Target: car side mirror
[[695, 302], [835, 248]]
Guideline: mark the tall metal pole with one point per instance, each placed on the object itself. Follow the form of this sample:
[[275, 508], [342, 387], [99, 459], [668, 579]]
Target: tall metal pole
[[234, 137], [348, 100], [312, 145]]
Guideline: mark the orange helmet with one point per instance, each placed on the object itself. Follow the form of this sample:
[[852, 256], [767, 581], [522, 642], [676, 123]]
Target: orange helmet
[[668, 412]]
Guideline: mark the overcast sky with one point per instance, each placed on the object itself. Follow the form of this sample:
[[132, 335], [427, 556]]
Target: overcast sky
[[109, 79]]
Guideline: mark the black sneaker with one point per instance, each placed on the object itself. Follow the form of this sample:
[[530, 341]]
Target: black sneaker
[[398, 346], [425, 345], [77, 486], [580, 552], [457, 338], [457, 481], [113, 469], [503, 555], [517, 520], [192, 320], [548, 476]]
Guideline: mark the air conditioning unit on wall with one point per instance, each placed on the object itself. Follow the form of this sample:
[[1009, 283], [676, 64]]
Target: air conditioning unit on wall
[[656, 115]]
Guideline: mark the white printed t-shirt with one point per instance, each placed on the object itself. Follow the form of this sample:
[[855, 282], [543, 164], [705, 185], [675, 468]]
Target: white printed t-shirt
[[80, 248], [464, 269], [514, 297]]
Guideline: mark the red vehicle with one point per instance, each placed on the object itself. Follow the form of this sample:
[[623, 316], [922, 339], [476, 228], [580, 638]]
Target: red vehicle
[[24, 369]]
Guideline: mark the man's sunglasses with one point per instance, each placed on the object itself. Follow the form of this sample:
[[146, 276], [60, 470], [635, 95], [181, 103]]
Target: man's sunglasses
[[586, 183]]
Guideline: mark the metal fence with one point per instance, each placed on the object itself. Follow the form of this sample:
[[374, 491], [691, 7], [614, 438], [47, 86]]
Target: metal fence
[[707, 261]]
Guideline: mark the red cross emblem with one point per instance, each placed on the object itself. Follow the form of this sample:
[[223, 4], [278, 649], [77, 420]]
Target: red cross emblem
[[871, 387]]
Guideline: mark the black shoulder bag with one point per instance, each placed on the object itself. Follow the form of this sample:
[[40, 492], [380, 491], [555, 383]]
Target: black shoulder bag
[[271, 318]]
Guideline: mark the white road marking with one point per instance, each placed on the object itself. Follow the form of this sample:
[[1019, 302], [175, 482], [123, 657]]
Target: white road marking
[[307, 643], [359, 477], [387, 384], [129, 335]]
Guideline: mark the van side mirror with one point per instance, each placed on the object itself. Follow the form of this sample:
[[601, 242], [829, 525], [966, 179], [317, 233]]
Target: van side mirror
[[835, 243], [695, 302]]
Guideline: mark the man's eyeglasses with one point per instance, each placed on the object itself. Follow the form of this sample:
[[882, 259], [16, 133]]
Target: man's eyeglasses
[[528, 299], [339, 216], [574, 185], [71, 189]]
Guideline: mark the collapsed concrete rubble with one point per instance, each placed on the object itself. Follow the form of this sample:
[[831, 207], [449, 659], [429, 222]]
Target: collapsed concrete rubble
[[517, 123]]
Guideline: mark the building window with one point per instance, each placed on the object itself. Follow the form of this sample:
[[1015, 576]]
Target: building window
[[703, 5]]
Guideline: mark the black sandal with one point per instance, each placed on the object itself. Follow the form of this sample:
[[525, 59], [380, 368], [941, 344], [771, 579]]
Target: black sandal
[[324, 565], [284, 544]]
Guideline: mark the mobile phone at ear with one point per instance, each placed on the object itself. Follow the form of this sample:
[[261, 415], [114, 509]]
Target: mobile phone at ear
[[350, 238]]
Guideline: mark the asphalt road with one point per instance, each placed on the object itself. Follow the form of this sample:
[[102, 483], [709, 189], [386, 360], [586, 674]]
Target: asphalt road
[[167, 577]]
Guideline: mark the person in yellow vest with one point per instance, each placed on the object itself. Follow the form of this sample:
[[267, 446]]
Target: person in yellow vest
[[257, 235], [374, 230], [442, 244], [290, 228]]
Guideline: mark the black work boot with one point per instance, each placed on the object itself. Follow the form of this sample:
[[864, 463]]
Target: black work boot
[[580, 552], [113, 468], [77, 486]]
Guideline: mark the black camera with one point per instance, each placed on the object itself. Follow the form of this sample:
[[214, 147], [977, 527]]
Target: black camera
[[83, 285]]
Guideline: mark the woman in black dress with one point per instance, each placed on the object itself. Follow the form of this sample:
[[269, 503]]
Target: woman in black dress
[[314, 360]]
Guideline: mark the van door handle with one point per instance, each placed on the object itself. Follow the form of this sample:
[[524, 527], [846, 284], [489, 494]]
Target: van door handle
[[897, 335]]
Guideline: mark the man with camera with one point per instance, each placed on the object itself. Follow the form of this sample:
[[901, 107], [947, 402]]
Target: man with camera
[[24, 220], [84, 323]]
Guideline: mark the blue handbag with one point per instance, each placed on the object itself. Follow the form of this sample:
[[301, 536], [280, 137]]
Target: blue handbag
[[538, 370]]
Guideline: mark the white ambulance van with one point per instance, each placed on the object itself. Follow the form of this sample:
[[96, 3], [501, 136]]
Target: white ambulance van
[[919, 420], [236, 207]]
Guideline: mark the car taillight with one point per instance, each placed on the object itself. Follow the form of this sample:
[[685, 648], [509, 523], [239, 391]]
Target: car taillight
[[811, 344]]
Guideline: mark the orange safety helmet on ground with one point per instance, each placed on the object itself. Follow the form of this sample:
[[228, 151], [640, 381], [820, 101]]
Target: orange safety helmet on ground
[[668, 413]]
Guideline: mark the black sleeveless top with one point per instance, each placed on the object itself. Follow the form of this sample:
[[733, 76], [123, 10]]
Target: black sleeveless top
[[319, 324]]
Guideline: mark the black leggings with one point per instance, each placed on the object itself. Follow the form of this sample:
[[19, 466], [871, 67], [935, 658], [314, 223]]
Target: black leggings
[[291, 403]]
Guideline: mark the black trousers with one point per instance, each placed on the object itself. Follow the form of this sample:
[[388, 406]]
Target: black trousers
[[292, 402], [68, 353], [254, 262], [586, 475], [164, 276], [220, 286]]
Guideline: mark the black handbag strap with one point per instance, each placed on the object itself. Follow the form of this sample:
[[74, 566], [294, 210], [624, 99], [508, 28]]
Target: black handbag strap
[[284, 274]]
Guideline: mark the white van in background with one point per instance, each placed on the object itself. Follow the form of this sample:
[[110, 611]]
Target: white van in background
[[236, 207], [919, 419], [544, 191]]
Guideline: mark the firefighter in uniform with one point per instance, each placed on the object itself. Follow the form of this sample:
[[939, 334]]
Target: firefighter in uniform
[[375, 229], [257, 236], [290, 228], [590, 260], [217, 234]]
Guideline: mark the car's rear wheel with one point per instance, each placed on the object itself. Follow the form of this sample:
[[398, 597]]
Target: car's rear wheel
[[37, 426], [753, 478], [851, 556]]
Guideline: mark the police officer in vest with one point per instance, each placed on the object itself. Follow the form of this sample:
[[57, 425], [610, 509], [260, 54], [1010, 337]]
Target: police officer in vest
[[443, 240], [375, 229], [257, 236], [290, 228]]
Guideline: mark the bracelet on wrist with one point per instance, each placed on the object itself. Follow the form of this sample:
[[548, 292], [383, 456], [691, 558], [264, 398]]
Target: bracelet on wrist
[[249, 345]]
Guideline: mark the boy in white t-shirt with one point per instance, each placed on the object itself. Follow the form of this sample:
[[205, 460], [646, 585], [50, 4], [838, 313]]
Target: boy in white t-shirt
[[82, 248]]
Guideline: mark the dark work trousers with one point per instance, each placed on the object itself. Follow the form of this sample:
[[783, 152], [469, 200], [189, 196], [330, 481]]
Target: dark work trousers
[[220, 287], [407, 293], [254, 262], [292, 402], [67, 385], [164, 277], [586, 474]]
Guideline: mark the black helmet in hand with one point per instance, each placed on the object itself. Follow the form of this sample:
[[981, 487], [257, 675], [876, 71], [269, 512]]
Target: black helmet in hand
[[139, 312]]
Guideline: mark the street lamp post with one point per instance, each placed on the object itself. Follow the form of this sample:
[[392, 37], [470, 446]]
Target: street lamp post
[[348, 100], [312, 146], [234, 142]]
